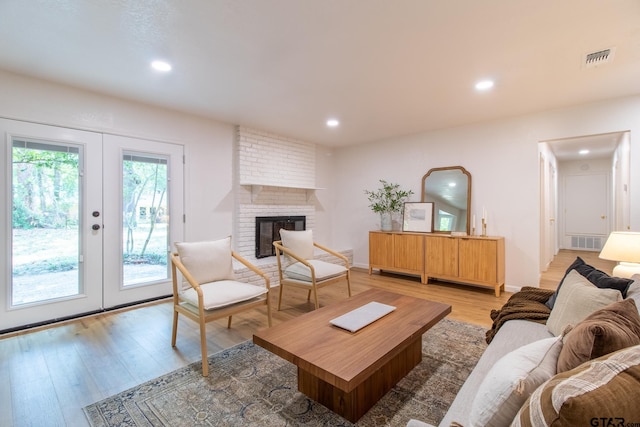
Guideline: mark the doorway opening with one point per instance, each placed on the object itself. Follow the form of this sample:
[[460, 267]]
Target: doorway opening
[[584, 195]]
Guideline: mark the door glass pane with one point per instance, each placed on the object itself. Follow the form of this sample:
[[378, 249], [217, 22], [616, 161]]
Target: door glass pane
[[45, 216], [145, 219]]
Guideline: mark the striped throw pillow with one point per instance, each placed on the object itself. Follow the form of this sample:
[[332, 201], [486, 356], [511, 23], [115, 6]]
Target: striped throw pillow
[[605, 388]]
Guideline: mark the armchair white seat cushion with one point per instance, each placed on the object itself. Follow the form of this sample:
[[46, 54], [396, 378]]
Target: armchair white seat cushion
[[324, 270], [223, 293]]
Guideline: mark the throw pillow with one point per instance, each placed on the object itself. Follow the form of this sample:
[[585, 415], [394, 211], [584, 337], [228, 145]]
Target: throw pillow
[[511, 380], [607, 387], [634, 290], [577, 299], [595, 276], [299, 242], [207, 261], [609, 329]]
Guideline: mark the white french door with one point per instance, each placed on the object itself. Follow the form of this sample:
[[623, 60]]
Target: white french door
[[144, 186], [86, 221], [51, 258]]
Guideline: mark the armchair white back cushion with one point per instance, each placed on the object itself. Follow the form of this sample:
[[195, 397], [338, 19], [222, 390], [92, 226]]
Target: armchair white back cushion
[[207, 261], [299, 242]]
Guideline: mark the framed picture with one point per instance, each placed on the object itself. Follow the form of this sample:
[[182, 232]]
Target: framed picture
[[418, 216]]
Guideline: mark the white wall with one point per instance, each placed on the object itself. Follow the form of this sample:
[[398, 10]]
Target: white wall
[[502, 157], [326, 213]]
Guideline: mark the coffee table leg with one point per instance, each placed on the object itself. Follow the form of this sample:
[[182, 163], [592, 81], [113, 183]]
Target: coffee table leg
[[354, 404]]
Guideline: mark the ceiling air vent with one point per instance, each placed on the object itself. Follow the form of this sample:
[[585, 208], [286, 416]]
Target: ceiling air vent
[[600, 57]]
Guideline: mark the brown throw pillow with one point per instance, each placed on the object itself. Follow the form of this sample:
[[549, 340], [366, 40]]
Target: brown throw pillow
[[600, 392], [609, 329]]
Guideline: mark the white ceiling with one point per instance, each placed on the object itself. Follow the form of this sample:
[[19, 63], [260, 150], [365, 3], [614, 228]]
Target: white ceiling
[[598, 146], [384, 68]]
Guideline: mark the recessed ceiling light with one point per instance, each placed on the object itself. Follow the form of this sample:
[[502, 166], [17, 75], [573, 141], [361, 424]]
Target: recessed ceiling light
[[161, 66], [452, 184], [484, 85], [583, 152], [332, 123]]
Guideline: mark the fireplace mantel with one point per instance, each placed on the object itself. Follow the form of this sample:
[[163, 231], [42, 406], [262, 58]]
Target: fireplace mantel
[[257, 188]]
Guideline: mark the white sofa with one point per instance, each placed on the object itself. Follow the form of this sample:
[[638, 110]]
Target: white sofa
[[514, 334]]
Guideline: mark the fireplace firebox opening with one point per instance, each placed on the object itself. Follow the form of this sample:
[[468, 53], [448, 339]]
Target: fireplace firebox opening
[[268, 231]]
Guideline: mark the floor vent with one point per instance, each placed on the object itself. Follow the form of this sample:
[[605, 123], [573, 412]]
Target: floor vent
[[600, 57], [592, 243]]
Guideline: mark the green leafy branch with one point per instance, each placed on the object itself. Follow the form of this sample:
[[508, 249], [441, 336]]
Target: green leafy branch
[[388, 198]]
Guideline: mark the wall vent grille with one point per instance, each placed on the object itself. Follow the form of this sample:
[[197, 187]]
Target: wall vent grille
[[590, 243], [600, 57]]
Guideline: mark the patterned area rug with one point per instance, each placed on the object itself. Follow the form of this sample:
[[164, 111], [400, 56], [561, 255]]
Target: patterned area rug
[[251, 386]]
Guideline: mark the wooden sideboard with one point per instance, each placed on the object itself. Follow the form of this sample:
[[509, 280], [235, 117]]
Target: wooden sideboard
[[461, 259]]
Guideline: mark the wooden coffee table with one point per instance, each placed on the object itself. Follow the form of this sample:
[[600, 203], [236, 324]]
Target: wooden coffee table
[[349, 372]]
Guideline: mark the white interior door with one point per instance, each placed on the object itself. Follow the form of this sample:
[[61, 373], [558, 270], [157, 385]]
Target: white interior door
[[586, 202], [143, 182], [51, 256]]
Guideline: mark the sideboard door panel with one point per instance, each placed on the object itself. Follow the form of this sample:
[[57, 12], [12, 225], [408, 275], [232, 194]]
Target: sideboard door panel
[[478, 260], [409, 251], [381, 249], [441, 256]]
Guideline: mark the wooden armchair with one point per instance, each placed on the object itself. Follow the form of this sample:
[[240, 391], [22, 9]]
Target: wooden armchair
[[299, 269], [209, 290]]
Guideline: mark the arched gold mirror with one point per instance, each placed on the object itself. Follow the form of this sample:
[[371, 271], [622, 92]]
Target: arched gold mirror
[[449, 189]]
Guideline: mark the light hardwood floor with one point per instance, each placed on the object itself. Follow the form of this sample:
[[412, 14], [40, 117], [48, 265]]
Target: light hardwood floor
[[48, 375]]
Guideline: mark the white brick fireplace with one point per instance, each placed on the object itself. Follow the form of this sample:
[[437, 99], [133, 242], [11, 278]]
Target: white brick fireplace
[[275, 176]]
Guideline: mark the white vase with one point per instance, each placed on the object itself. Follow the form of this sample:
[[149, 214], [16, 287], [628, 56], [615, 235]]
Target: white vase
[[386, 222]]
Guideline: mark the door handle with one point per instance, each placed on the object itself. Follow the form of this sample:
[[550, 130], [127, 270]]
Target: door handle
[[603, 216]]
